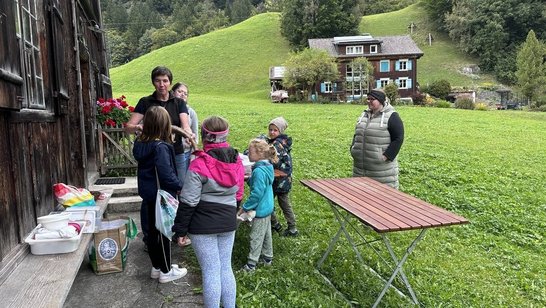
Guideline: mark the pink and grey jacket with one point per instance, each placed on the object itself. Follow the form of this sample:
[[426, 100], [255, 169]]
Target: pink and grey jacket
[[212, 189]]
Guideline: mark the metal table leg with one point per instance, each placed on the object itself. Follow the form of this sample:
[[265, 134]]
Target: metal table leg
[[399, 266]]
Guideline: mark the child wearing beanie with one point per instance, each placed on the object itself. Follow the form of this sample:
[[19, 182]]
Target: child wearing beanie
[[282, 184]]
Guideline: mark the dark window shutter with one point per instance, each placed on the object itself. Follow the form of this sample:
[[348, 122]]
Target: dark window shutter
[[58, 44], [11, 81]]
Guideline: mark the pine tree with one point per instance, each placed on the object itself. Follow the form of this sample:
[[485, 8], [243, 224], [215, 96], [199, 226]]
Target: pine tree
[[531, 72], [305, 19]]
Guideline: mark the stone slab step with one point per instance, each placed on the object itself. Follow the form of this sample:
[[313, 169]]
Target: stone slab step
[[124, 204]]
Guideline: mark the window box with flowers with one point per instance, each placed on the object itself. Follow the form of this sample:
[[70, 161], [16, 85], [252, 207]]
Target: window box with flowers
[[113, 112]]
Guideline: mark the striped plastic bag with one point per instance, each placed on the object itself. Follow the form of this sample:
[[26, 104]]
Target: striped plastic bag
[[69, 196]]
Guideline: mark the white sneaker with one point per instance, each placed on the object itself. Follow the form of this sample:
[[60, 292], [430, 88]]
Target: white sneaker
[[154, 273], [173, 274]]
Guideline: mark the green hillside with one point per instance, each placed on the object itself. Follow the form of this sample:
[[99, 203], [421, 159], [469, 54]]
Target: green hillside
[[232, 61], [236, 60], [441, 60]]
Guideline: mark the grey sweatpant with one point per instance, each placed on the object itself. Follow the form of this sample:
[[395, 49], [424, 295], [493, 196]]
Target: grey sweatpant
[[261, 242], [284, 204]]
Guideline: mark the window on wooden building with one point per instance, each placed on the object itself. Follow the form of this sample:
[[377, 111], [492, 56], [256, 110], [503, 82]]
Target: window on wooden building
[[354, 50], [26, 20], [384, 66]]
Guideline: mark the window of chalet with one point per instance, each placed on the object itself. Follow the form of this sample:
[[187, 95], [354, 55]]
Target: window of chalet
[[403, 83], [354, 50], [26, 20], [373, 48], [383, 82], [326, 87], [403, 65], [384, 66]]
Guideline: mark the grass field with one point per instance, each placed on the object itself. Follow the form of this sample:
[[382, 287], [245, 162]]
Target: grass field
[[486, 166], [489, 167]]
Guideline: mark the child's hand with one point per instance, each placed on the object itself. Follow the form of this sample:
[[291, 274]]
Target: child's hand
[[183, 241], [241, 211]]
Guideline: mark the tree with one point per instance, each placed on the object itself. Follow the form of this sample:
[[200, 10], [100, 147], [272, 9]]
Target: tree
[[195, 17], [391, 91], [437, 11], [305, 19], [531, 72], [306, 68], [492, 30], [117, 49], [362, 72], [240, 10]]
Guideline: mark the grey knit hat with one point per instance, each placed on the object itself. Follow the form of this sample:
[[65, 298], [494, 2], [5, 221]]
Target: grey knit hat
[[280, 123]]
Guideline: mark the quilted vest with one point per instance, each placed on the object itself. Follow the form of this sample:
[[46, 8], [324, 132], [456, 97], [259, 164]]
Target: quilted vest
[[370, 141]]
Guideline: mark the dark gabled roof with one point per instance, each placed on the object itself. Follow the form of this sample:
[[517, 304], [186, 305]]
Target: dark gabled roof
[[390, 45]]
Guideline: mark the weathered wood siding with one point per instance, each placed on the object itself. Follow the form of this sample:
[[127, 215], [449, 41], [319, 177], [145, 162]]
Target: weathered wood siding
[[55, 143]]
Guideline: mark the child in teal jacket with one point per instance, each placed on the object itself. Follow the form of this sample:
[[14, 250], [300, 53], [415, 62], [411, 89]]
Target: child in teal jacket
[[260, 200]]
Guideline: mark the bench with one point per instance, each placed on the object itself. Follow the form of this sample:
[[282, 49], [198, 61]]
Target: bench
[[45, 280], [384, 210]]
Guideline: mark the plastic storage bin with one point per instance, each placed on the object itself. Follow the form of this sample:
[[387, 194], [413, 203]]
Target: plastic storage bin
[[52, 246]]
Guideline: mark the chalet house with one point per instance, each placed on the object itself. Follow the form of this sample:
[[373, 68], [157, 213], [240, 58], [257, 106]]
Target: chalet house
[[53, 68], [394, 59]]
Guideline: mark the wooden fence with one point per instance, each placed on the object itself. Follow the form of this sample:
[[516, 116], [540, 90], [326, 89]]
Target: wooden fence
[[115, 150]]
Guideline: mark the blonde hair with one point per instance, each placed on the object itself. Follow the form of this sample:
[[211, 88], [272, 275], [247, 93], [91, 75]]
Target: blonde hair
[[264, 150], [156, 125]]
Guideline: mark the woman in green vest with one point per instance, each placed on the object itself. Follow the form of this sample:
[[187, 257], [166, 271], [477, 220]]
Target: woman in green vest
[[379, 134]]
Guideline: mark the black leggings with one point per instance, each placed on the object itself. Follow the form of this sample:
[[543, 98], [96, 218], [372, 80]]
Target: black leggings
[[160, 253]]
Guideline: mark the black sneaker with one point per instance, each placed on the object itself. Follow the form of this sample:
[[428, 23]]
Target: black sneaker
[[287, 232], [277, 227], [266, 261], [249, 268]]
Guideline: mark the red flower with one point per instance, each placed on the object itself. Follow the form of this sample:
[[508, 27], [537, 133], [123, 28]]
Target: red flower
[[110, 122], [113, 111], [106, 110]]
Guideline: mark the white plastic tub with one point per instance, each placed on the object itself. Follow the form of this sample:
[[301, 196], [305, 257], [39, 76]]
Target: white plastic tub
[[54, 221], [52, 246]]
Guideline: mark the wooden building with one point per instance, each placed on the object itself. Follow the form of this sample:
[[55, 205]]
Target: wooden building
[[53, 68], [394, 59]]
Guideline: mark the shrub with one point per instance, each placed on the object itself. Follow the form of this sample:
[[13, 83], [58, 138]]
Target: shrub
[[442, 104], [428, 101], [405, 101], [464, 103], [418, 99], [481, 106], [542, 108], [439, 88], [391, 90]]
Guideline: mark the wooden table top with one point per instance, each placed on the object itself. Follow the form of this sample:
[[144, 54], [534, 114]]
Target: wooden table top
[[381, 207]]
